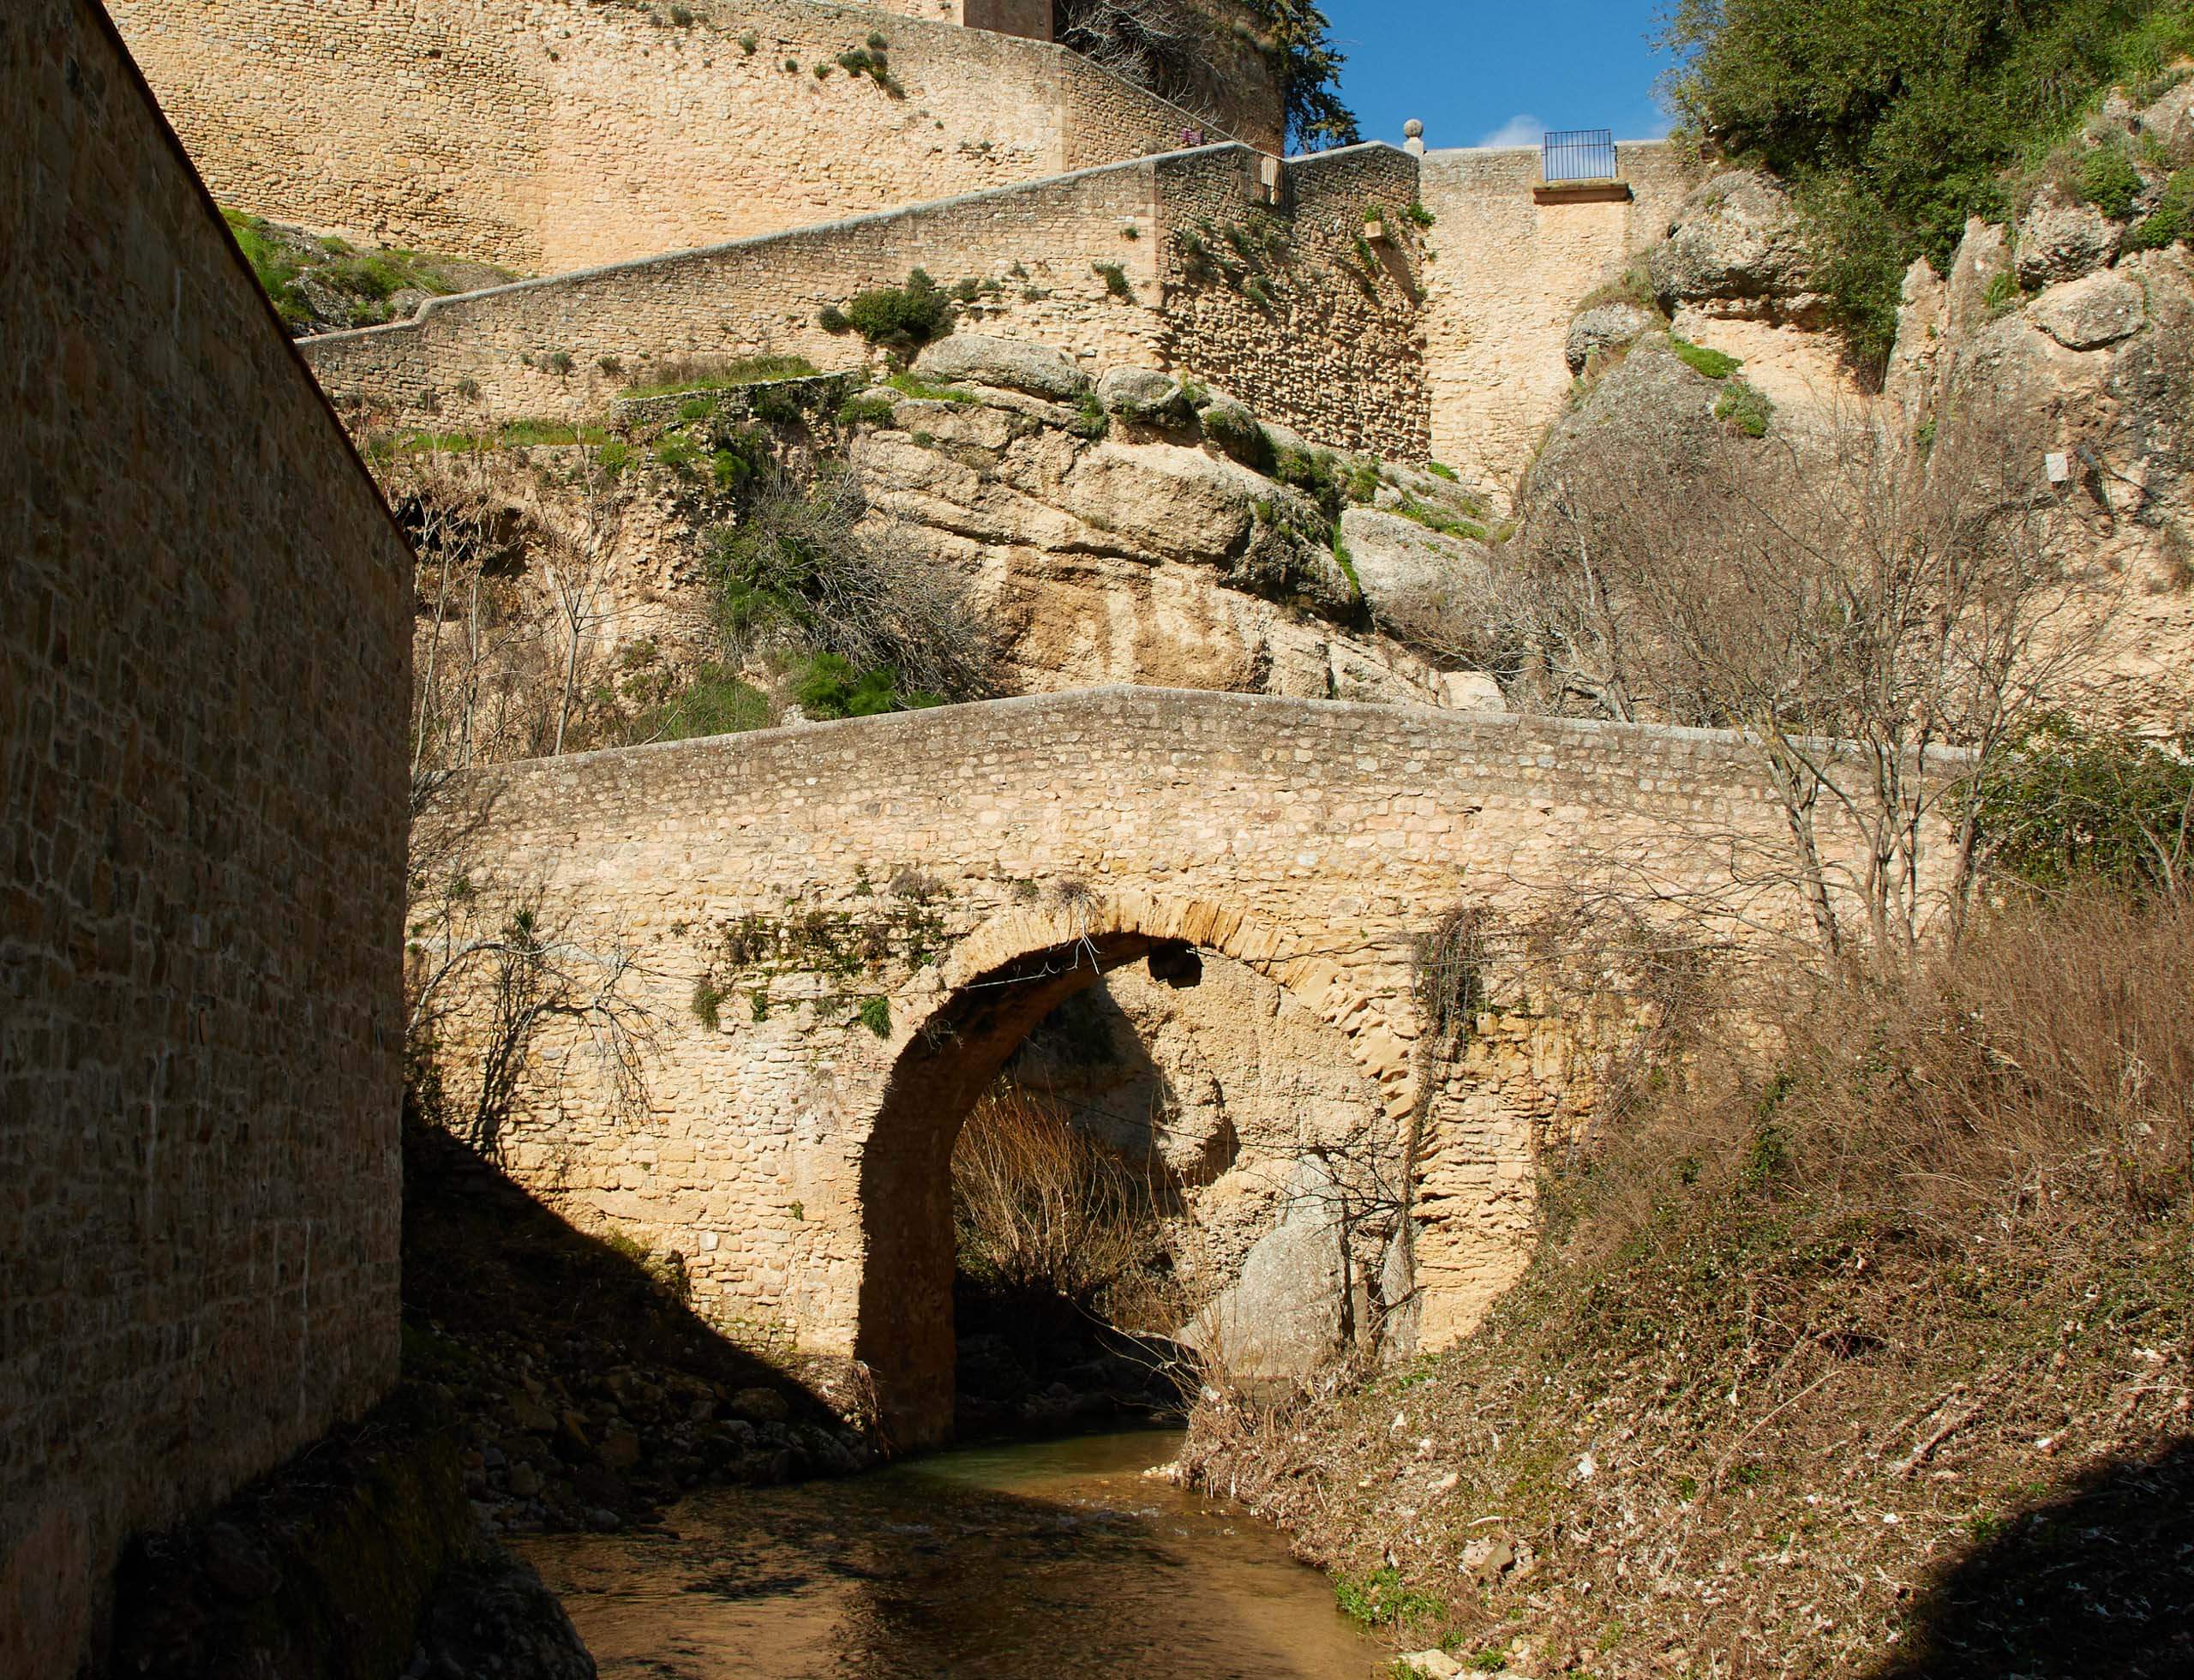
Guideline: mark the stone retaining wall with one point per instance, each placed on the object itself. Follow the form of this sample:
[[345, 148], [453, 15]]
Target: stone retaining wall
[[1508, 274], [567, 134]]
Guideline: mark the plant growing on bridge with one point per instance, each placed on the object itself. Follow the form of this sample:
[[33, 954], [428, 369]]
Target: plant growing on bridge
[[897, 319]]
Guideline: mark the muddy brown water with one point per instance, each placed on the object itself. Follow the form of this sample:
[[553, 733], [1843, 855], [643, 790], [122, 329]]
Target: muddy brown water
[[1051, 1558]]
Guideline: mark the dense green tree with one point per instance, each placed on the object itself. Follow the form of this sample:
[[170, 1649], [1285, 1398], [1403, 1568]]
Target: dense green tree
[[1896, 120]]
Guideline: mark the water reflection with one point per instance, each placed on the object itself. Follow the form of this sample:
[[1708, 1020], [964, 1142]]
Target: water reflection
[[1051, 1559]]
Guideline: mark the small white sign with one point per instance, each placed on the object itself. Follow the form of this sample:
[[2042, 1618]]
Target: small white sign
[[2059, 467]]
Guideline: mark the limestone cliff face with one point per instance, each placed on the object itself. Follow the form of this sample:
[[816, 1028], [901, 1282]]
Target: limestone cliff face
[[2077, 327], [1141, 536]]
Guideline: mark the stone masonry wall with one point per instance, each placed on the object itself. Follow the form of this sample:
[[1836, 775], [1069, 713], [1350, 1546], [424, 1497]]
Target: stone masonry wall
[[900, 858], [765, 295], [1321, 331], [204, 618], [1332, 352], [567, 134], [1507, 275]]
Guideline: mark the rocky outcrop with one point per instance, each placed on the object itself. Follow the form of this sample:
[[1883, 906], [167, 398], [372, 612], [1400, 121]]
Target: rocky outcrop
[[1604, 327], [2090, 313], [1736, 248], [2061, 239], [1008, 364]]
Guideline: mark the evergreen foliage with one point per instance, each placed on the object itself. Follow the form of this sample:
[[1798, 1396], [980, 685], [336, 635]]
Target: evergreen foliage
[[1897, 120]]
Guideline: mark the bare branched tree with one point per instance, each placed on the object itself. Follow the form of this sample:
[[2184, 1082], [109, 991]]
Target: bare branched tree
[[496, 984], [1851, 603]]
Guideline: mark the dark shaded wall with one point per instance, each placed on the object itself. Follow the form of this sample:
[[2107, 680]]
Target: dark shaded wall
[[204, 653]]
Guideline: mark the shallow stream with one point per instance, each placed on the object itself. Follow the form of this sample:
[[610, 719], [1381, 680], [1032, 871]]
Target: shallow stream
[[1050, 1558]]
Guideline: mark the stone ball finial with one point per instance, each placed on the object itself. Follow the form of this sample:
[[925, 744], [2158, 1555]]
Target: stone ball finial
[[1413, 129]]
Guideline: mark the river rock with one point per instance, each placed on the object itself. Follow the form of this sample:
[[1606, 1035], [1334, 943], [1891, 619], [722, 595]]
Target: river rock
[[1038, 370]]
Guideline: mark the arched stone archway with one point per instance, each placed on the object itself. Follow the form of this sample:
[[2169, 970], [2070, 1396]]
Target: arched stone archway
[[1006, 978]]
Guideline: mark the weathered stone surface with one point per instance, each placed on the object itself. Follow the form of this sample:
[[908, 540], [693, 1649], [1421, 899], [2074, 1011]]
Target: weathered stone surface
[[1984, 257], [1396, 558], [1653, 399], [1736, 243], [2091, 313], [1286, 1315], [2171, 118], [2061, 239], [1011, 363], [1144, 397], [1472, 691], [1609, 327]]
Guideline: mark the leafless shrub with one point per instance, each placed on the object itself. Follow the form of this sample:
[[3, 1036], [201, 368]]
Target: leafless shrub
[[1039, 1206], [816, 569], [1163, 45], [1848, 602]]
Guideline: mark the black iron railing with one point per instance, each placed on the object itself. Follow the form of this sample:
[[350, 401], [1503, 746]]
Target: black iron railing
[[1578, 154]]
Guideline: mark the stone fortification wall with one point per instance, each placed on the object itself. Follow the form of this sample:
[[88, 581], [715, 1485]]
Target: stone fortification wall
[[1329, 351], [766, 295], [1508, 274], [1291, 308], [571, 133], [204, 626]]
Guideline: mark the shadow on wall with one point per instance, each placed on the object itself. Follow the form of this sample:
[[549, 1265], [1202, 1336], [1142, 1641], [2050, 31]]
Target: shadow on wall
[[2100, 1579], [580, 1358]]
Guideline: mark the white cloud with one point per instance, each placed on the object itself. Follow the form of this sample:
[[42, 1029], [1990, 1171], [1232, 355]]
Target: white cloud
[[1518, 130]]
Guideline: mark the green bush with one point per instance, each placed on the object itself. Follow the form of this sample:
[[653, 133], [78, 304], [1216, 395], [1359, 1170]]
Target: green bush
[[900, 319], [1115, 278], [1898, 119], [2108, 180], [1745, 408], [2077, 804], [717, 702], [1699, 359], [2172, 220], [829, 687], [867, 409]]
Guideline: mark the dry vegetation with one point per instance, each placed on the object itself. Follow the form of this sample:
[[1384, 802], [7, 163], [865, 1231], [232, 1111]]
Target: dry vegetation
[[1870, 1351]]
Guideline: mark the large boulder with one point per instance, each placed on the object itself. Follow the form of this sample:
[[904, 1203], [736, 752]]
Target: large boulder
[[1037, 370], [2059, 238], [1604, 327], [1169, 501], [1144, 397], [2089, 314], [1736, 247], [1397, 558], [1653, 407], [2170, 120], [1285, 1314]]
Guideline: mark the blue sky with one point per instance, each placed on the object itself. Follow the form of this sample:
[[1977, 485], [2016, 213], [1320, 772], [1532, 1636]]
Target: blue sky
[[1479, 72]]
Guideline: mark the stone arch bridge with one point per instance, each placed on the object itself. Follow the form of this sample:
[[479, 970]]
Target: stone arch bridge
[[839, 933]]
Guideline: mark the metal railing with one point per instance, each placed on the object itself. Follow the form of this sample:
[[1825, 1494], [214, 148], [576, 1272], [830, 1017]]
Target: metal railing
[[1578, 154]]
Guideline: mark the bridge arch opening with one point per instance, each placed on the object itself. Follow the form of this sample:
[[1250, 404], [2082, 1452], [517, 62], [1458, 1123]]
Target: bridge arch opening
[[906, 1332]]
